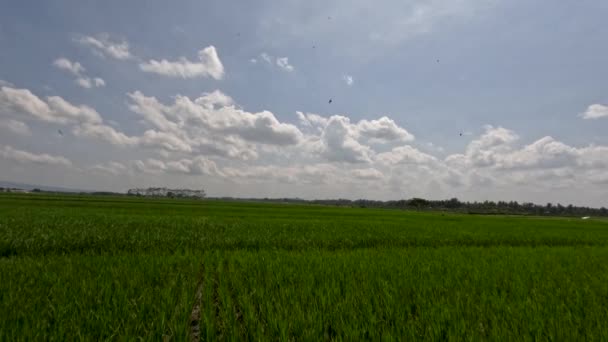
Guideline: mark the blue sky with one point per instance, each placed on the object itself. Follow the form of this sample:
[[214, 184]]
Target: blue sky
[[525, 82]]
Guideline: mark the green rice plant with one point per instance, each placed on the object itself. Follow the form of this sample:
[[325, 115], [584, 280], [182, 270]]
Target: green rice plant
[[121, 268]]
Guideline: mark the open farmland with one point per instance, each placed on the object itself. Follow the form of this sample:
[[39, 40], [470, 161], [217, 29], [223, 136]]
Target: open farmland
[[75, 267]]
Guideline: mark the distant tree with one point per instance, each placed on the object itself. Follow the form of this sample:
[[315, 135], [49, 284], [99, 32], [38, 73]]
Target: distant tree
[[418, 203], [452, 203], [36, 190]]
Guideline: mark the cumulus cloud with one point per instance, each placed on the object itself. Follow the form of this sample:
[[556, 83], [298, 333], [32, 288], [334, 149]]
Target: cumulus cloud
[[313, 174], [15, 126], [340, 140], [341, 144], [104, 133], [4, 83], [164, 140], [74, 68], [544, 153], [212, 120], [266, 57], [210, 135], [496, 159], [283, 63], [595, 111], [349, 80], [383, 130], [367, 174], [102, 45], [405, 155], [494, 142], [196, 166], [209, 65], [78, 70], [112, 167], [21, 103], [312, 120], [10, 153], [89, 83]]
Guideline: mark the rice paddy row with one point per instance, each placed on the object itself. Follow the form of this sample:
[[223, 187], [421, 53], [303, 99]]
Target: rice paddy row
[[121, 269]]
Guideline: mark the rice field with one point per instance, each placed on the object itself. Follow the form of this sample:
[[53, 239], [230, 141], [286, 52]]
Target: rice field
[[123, 268]]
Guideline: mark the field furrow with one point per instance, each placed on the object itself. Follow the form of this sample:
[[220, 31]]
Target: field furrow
[[195, 316]]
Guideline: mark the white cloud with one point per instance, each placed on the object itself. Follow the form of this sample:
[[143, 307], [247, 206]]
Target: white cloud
[[283, 63], [196, 166], [99, 82], [544, 153], [383, 130], [164, 140], [15, 126], [21, 103], [74, 68], [312, 120], [78, 70], [212, 120], [349, 80], [483, 151], [341, 144], [89, 83], [212, 136], [595, 111], [114, 168], [102, 45], [496, 161], [340, 140], [10, 153], [104, 133], [266, 57], [209, 65], [84, 82], [405, 155], [314, 174], [367, 174]]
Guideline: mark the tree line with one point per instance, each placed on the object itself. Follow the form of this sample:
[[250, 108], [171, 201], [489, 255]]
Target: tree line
[[455, 205]]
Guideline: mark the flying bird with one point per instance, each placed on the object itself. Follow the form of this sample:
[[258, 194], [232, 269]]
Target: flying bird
[[330, 101], [60, 132]]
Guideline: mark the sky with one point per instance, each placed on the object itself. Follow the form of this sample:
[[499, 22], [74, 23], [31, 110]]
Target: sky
[[474, 99]]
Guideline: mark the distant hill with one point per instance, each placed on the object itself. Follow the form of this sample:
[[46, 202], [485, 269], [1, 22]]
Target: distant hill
[[41, 187]]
